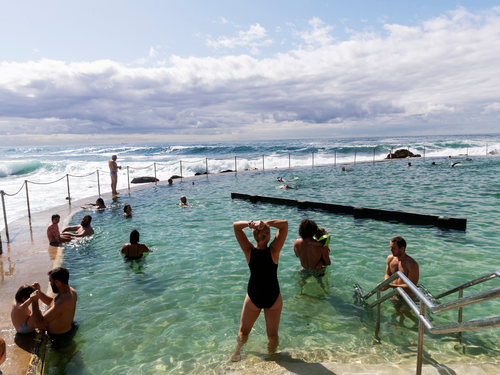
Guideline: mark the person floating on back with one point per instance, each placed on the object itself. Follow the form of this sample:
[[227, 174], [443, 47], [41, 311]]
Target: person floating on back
[[20, 313], [99, 204], [398, 260]]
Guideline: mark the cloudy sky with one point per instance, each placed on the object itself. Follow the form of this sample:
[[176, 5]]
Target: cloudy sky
[[193, 70]]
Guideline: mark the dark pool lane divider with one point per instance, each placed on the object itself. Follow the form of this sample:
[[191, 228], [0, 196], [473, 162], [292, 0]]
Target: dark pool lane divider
[[444, 222]]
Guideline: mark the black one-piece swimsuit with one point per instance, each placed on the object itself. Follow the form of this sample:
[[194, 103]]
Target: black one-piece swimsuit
[[263, 287]]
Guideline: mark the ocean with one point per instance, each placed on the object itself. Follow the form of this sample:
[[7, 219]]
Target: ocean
[[177, 311]]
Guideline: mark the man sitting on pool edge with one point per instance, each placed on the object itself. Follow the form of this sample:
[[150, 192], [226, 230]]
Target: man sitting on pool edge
[[58, 319], [400, 261]]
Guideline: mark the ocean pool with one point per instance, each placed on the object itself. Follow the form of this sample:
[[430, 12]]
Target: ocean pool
[[178, 310]]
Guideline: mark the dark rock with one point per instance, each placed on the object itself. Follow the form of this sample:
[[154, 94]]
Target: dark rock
[[229, 170], [143, 180], [173, 177], [199, 174], [402, 154]]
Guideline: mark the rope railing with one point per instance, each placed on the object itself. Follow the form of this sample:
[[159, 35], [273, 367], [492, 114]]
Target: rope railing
[[302, 158]]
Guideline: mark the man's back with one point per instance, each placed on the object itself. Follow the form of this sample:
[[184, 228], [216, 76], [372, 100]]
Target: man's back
[[310, 252]]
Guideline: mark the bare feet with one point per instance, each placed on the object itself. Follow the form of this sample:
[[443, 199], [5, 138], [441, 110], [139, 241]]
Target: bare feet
[[235, 357]]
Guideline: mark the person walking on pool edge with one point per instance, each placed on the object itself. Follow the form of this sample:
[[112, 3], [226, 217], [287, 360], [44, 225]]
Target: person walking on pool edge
[[263, 290], [113, 172]]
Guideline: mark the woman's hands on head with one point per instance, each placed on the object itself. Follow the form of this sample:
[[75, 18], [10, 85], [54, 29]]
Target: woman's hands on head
[[257, 225]]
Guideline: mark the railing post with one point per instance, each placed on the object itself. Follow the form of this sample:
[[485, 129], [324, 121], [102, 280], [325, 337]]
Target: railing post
[[355, 156], [128, 177], [460, 295], [262, 161], [69, 195], [180, 164], [377, 326], [27, 198], [335, 159], [155, 172], [486, 149], [313, 159], [373, 156], [2, 193], [235, 166], [289, 165], [424, 152], [98, 183], [420, 347], [206, 165]]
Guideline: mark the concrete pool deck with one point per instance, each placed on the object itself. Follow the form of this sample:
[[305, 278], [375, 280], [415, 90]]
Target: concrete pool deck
[[28, 258]]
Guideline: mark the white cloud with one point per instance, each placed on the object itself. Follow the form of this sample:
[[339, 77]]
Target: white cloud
[[152, 52], [319, 35], [440, 76], [223, 20], [253, 38]]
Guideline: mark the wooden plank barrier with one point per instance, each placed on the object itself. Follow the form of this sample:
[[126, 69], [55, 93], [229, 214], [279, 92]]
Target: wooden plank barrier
[[362, 212]]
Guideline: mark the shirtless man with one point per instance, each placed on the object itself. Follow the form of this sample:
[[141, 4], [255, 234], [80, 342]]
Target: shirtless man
[[113, 172], [58, 319], [309, 251], [400, 261], [84, 229]]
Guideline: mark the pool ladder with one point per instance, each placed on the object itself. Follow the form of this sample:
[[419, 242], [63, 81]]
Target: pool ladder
[[430, 301]]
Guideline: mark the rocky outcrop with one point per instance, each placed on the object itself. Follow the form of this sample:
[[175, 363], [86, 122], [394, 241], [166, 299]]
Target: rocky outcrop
[[228, 170], [173, 177], [199, 174], [402, 154], [143, 180]]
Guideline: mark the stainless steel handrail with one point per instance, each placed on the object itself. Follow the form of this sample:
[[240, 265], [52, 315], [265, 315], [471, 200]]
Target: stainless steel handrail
[[424, 301]]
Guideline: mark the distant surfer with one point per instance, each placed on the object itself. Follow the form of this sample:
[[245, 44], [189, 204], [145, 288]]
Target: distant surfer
[[113, 172]]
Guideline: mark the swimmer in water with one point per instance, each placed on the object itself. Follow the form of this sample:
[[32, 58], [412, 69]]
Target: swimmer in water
[[279, 179], [433, 163], [408, 165], [184, 202], [99, 203], [453, 165], [127, 210]]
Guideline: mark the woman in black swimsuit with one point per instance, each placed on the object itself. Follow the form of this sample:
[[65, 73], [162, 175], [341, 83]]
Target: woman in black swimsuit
[[263, 289], [134, 249]]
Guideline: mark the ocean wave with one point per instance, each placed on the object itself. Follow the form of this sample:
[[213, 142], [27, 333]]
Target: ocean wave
[[19, 168]]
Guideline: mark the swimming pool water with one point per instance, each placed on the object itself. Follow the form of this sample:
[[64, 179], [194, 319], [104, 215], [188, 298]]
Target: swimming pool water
[[178, 310]]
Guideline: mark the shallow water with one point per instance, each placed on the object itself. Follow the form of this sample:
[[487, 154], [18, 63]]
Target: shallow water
[[178, 310]]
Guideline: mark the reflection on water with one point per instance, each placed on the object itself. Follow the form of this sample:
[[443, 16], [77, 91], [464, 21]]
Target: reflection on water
[[178, 311]]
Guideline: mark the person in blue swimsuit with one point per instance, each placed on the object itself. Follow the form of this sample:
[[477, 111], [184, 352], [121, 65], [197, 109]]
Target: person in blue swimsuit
[[263, 290]]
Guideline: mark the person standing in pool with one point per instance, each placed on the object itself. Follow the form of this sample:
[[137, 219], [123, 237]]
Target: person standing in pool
[[263, 290], [113, 172], [58, 319], [400, 261], [134, 249], [311, 252]]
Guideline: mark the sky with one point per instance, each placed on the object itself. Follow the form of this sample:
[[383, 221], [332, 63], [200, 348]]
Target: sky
[[170, 71]]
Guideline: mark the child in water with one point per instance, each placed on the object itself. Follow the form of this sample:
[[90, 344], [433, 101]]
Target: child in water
[[322, 237], [20, 314]]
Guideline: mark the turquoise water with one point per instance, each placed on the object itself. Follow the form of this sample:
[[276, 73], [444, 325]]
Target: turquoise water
[[178, 310]]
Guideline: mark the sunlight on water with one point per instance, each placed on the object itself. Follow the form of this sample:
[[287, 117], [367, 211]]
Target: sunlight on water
[[178, 310]]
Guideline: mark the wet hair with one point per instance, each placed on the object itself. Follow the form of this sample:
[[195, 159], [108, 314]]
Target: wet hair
[[88, 217], [134, 236], [261, 234], [125, 207], [321, 232], [2, 348], [59, 273], [400, 241], [100, 201], [185, 199], [307, 228], [24, 292], [55, 216]]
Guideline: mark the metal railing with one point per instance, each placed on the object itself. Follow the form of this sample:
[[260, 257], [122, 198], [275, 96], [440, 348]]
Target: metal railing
[[458, 303]]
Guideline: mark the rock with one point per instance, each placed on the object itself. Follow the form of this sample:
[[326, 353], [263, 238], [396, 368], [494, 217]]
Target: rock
[[173, 177], [402, 154], [143, 180], [199, 174], [228, 170]]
